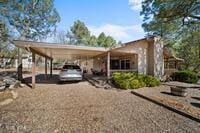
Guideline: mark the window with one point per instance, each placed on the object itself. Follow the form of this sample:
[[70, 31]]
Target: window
[[71, 67], [128, 64], [114, 64], [120, 64], [125, 64]]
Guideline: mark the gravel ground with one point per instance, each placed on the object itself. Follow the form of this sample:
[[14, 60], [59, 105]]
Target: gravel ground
[[192, 98], [80, 107]]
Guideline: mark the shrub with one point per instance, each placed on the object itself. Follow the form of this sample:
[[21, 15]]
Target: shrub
[[151, 81], [185, 76], [134, 80], [122, 79], [124, 84], [134, 84]]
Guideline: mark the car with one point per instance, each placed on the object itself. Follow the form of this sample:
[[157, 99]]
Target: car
[[71, 73]]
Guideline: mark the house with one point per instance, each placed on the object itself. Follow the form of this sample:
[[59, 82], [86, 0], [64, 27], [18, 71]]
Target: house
[[26, 61], [143, 56]]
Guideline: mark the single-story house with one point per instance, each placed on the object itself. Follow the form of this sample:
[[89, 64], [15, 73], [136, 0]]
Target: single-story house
[[143, 56]]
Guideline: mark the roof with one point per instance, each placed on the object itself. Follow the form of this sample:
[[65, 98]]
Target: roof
[[55, 50]]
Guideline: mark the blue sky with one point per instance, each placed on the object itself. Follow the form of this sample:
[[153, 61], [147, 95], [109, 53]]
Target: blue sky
[[118, 18]]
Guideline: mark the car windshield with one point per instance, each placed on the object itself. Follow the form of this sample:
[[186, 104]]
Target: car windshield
[[71, 67]]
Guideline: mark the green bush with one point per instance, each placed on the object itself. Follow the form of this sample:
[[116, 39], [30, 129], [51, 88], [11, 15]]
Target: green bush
[[134, 80], [134, 84], [122, 79], [185, 76], [124, 84], [151, 81]]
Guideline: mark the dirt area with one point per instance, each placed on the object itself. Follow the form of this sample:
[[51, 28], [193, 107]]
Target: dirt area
[[80, 107], [5, 95]]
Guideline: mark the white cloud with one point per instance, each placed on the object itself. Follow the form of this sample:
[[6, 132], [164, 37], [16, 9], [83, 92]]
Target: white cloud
[[119, 32], [135, 4]]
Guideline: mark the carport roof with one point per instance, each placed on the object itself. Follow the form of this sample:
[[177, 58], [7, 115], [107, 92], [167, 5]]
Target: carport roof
[[55, 50]]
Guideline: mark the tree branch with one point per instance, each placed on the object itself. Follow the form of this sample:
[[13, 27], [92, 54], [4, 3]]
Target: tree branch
[[196, 17]]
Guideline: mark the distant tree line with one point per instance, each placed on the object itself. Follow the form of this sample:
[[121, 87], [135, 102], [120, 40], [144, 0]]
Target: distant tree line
[[79, 34]]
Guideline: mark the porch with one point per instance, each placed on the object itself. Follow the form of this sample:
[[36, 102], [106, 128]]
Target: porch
[[171, 62]]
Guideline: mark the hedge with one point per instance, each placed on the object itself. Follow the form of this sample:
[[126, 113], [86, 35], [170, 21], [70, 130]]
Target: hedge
[[134, 80], [185, 76]]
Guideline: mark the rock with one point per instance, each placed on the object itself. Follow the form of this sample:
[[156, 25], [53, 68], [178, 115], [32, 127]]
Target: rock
[[12, 81], [11, 87], [166, 78], [17, 84], [22, 85], [2, 85], [9, 81], [198, 82]]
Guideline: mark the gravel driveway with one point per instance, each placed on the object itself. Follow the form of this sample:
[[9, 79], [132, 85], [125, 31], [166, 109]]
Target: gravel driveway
[[80, 107]]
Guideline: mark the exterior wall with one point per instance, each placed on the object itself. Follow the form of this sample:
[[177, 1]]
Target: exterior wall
[[158, 58], [139, 48], [26, 62], [134, 61], [151, 58], [87, 65], [98, 64], [142, 60]]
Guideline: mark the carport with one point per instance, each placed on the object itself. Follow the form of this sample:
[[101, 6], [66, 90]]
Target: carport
[[52, 51], [147, 53]]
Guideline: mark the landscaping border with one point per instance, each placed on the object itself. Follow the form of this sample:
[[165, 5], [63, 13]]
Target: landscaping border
[[180, 112]]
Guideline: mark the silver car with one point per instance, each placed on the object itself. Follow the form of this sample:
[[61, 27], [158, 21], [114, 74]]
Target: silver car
[[71, 73]]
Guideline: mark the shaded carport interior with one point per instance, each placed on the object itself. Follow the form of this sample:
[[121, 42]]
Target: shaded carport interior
[[52, 51]]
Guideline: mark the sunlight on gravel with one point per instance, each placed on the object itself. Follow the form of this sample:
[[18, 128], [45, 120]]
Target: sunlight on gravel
[[80, 107]]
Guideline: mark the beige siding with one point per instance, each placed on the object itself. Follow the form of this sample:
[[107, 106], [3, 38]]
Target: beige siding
[[87, 65], [151, 58]]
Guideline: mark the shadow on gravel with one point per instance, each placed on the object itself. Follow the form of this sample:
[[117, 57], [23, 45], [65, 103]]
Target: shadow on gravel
[[42, 79], [68, 82], [196, 98], [167, 93], [195, 104]]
